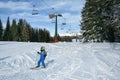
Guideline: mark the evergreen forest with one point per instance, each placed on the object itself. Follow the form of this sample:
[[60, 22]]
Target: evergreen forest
[[23, 31]]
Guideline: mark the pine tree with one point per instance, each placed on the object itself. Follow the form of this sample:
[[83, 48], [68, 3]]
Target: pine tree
[[7, 32], [107, 13], [47, 35], [14, 31], [41, 35], [1, 30], [116, 19], [20, 28], [32, 35], [36, 35], [91, 18], [26, 32]]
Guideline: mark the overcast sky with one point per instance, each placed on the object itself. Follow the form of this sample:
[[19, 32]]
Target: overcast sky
[[70, 10]]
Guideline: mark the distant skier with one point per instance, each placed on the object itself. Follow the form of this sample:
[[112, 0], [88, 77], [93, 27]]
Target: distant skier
[[43, 55]]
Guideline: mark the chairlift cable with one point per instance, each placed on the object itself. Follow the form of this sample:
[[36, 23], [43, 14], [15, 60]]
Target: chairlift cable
[[46, 4]]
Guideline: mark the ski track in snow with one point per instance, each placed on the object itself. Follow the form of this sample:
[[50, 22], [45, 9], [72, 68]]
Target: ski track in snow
[[65, 61]]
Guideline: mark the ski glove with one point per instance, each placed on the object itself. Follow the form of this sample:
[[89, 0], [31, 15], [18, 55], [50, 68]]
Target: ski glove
[[38, 52]]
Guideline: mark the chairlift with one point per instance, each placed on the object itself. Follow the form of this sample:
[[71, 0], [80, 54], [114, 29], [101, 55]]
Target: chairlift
[[51, 16], [69, 29], [62, 28], [53, 20], [59, 15], [64, 22], [34, 11]]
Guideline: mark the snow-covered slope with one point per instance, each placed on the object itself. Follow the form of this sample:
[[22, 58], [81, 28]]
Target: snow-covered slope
[[65, 61]]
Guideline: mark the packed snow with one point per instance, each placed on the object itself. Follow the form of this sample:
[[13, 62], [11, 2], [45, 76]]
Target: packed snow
[[65, 61]]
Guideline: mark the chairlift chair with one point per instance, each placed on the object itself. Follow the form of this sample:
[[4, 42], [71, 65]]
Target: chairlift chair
[[62, 28], [64, 22], [53, 20], [34, 11]]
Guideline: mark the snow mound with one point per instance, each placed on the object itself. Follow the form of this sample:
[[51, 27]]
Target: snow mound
[[19, 61]]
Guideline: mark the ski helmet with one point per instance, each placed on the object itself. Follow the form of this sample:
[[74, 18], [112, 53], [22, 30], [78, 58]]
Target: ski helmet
[[42, 48]]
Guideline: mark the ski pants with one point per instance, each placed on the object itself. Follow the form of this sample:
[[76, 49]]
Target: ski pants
[[41, 61]]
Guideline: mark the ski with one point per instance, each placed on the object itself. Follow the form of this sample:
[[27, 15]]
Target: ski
[[34, 67], [37, 68]]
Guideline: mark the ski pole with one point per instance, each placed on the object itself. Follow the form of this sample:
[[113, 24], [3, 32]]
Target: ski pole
[[36, 58]]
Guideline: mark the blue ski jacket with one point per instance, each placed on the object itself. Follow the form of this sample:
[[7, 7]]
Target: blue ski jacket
[[42, 55], [42, 58]]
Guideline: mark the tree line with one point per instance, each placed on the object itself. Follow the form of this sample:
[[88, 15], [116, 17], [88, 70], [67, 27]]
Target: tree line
[[101, 21], [22, 31]]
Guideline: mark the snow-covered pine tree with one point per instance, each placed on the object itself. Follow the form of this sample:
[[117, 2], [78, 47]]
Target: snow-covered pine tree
[[116, 19], [91, 21], [98, 20]]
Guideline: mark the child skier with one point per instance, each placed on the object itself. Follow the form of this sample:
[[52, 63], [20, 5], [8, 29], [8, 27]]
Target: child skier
[[43, 55]]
